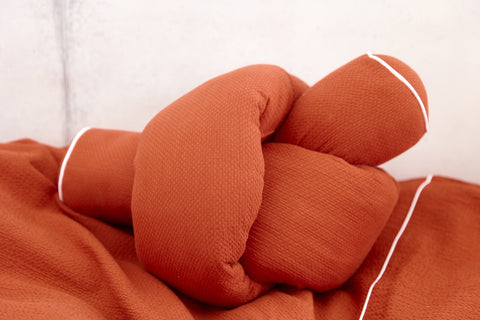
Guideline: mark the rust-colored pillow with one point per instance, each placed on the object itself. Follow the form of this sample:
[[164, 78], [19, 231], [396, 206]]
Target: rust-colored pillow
[[253, 178]]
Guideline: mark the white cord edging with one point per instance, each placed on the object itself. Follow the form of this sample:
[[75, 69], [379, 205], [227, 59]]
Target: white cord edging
[[65, 160], [405, 81], [395, 241]]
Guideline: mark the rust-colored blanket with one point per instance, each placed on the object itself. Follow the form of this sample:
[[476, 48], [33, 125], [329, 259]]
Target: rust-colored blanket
[[252, 197]]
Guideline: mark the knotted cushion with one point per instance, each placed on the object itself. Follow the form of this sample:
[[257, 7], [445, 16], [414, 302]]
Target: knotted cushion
[[253, 178]]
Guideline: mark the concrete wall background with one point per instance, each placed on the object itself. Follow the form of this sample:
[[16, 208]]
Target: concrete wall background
[[114, 64]]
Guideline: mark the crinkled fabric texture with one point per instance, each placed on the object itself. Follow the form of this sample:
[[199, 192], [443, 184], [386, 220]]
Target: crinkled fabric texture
[[254, 192], [57, 263], [254, 178]]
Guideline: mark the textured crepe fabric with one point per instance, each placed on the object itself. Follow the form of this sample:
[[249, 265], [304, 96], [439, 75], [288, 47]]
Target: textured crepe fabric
[[253, 178], [57, 263], [252, 192]]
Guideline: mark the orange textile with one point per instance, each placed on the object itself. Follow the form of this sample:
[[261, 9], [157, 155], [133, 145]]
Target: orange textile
[[253, 196]]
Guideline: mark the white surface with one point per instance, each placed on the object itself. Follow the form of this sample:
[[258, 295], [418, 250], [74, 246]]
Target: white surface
[[114, 64], [31, 82]]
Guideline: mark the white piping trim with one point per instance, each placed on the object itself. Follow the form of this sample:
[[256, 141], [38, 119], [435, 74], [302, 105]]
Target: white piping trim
[[65, 160], [405, 82], [395, 241]]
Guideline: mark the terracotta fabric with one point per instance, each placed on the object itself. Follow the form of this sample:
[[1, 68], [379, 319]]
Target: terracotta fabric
[[244, 215], [360, 112], [252, 192], [100, 181], [56, 263]]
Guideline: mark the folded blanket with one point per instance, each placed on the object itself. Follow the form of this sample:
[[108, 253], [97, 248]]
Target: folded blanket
[[253, 192]]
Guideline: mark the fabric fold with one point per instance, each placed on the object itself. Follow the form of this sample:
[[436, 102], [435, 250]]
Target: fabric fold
[[254, 179], [58, 263], [98, 174]]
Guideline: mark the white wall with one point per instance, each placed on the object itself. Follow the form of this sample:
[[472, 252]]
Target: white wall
[[68, 64]]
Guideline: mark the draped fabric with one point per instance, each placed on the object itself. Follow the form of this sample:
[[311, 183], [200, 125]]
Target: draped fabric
[[253, 196]]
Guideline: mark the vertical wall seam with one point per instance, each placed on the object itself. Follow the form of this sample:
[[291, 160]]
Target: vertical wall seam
[[62, 31]]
